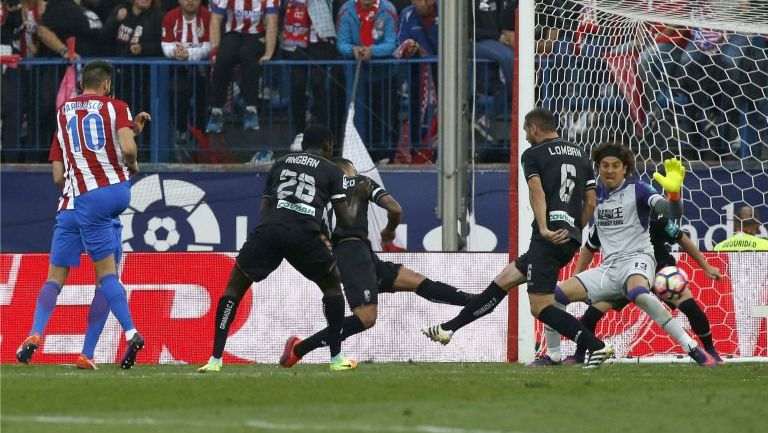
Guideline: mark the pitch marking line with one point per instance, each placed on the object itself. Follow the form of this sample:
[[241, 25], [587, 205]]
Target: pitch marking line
[[252, 423]]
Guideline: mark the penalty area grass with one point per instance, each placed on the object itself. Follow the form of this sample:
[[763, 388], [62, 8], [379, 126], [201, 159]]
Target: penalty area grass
[[396, 397]]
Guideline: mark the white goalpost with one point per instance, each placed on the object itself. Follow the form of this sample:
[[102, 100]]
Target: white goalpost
[[684, 78]]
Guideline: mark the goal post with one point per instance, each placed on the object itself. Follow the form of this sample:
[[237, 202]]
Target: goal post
[[667, 78]]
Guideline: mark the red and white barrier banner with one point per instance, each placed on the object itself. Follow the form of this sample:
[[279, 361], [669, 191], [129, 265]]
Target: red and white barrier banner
[[737, 308], [173, 297]]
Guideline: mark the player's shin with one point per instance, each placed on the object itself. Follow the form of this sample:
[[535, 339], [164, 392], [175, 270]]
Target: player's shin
[[569, 327], [333, 308], [46, 302], [352, 326], [97, 318], [478, 307], [225, 315], [114, 292], [553, 343], [642, 297], [699, 322], [436, 291]]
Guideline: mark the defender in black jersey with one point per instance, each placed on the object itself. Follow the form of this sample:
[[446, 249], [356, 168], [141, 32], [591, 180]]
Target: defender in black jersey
[[364, 275], [561, 185], [663, 232], [299, 186]]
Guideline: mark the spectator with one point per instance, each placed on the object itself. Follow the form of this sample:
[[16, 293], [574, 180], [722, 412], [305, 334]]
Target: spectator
[[250, 37], [136, 28], [492, 36], [62, 19], [309, 34], [747, 233], [10, 136], [186, 37], [367, 30], [31, 11], [417, 37]]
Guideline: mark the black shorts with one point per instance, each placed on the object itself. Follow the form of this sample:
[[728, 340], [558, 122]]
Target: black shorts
[[268, 245], [358, 272], [542, 262], [669, 260]]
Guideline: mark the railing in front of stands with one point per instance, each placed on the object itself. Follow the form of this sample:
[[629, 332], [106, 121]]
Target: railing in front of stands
[[396, 108]]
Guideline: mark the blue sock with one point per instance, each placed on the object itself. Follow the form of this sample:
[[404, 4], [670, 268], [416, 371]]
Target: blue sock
[[118, 302], [46, 302], [97, 318]]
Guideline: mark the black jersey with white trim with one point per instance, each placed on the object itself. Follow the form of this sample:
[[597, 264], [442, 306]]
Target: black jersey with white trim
[[300, 185], [566, 174], [360, 228]]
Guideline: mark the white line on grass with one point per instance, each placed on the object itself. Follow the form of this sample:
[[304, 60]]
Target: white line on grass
[[252, 423]]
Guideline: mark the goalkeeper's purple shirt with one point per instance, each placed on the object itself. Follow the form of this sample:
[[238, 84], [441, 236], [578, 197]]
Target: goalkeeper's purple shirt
[[621, 219]]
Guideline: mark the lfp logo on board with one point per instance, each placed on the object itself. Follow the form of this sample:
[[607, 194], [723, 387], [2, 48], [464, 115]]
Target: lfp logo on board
[[168, 215]]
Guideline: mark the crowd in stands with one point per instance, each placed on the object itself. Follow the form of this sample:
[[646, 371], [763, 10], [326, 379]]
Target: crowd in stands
[[676, 64]]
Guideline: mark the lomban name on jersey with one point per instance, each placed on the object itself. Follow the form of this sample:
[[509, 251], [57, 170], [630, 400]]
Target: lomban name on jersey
[[558, 215], [303, 160], [69, 107], [565, 150], [296, 207]]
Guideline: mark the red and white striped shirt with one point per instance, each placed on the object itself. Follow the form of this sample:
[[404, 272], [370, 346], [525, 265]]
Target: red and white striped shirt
[[245, 16], [193, 34], [87, 134], [66, 201]]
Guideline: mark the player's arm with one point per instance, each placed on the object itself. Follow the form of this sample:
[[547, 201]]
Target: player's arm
[[588, 208], [57, 169], [587, 253], [346, 210], [128, 149], [539, 204], [394, 216], [689, 247]]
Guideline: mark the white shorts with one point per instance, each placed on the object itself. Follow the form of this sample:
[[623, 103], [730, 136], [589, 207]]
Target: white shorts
[[608, 282]]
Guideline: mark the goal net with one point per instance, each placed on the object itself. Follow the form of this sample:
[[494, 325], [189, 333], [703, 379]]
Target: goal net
[[671, 78]]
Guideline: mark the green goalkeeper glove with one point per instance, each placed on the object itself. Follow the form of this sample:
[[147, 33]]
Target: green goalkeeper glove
[[673, 181]]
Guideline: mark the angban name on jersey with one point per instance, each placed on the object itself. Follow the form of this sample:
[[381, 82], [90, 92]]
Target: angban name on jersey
[[303, 160]]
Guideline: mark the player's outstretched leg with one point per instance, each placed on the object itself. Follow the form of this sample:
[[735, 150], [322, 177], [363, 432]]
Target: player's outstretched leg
[[479, 306], [296, 348], [442, 293], [642, 297], [700, 326]]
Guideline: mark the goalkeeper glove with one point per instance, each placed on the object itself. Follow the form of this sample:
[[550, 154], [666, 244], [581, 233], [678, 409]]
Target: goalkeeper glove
[[673, 181]]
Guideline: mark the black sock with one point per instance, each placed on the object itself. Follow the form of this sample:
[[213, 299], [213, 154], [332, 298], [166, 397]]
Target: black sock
[[478, 307], [225, 315], [569, 327], [589, 320], [435, 291], [333, 309], [699, 322], [352, 326]]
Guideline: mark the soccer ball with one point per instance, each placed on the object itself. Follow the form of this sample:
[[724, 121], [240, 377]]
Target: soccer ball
[[670, 282], [151, 236]]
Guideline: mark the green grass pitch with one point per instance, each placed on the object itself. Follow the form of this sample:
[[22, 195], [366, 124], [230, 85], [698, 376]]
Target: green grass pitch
[[397, 398]]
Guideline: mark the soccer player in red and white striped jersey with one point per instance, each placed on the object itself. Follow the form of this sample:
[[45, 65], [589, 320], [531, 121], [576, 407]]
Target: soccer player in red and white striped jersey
[[250, 37], [96, 133], [66, 249]]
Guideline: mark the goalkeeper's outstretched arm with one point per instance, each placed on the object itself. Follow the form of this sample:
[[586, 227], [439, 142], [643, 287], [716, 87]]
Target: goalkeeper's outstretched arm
[[672, 206]]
